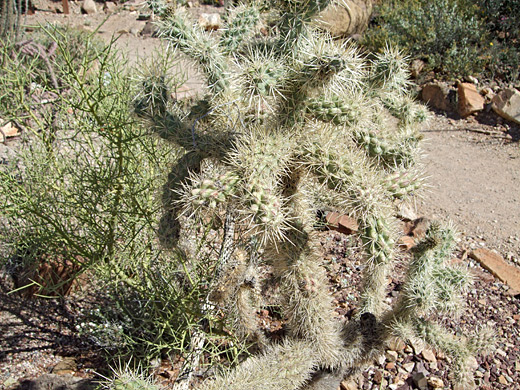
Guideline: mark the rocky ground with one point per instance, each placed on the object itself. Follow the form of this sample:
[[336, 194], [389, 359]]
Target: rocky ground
[[473, 169]]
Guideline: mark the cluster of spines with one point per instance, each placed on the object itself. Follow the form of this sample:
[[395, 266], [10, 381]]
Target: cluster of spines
[[333, 110]]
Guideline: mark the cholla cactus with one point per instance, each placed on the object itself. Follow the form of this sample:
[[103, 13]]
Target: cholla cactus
[[293, 121]]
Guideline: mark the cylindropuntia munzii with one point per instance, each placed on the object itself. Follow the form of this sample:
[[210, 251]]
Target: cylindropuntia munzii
[[293, 121]]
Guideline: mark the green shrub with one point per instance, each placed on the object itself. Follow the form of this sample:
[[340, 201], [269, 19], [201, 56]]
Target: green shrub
[[446, 33], [82, 195]]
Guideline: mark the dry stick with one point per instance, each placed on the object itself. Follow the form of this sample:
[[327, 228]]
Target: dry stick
[[198, 339]]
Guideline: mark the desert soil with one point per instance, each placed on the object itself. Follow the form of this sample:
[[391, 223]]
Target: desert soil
[[473, 170]]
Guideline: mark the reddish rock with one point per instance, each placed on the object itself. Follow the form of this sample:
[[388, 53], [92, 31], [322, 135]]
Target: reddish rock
[[470, 101], [406, 242], [341, 223], [437, 95], [496, 264]]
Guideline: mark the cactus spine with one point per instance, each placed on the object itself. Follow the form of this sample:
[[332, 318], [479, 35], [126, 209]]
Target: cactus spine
[[292, 122]]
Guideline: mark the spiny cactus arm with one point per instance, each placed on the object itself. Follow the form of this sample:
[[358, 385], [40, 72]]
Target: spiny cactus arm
[[240, 21], [378, 242], [403, 183], [404, 107], [295, 16], [261, 157], [193, 42], [286, 366], [401, 152], [389, 72], [333, 109], [459, 349]]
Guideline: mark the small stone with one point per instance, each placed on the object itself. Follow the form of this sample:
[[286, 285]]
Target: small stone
[[496, 264], [378, 377], [501, 352], [66, 366], [396, 344], [420, 226], [391, 356], [472, 363], [8, 130], [210, 22], [348, 385], [502, 380], [408, 367], [517, 365], [390, 366], [435, 382], [470, 101], [428, 355], [150, 29], [406, 242], [89, 7], [10, 382], [341, 223], [416, 68], [420, 381], [507, 104], [417, 346], [109, 7]]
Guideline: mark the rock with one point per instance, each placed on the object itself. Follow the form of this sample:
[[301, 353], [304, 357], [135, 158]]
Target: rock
[[396, 344], [88, 7], [7, 131], [390, 366], [391, 356], [348, 385], [419, 228], [420, 381], [416, 67], [470, 101], [408, 367], [109, 7], [341, 223], [406, 212], [346, 18], [66, 366], [58, 382], [10, 382], [507, 104], [502, 380], [472, 363], [210, 22], [495, 264], [437, 95], [406, 242], [150, 29], [471, 79], [435, 382], [428, 355]]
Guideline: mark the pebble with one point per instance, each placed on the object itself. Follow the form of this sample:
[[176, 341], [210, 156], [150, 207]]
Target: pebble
[[409, 366], [429, 355], [435, 382], [502, 379], [391, 356]]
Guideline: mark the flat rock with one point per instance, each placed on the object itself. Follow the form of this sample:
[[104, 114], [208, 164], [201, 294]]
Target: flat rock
[[507, 104], [342, 223], [470, 101], [496, 264], [8, 130]]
